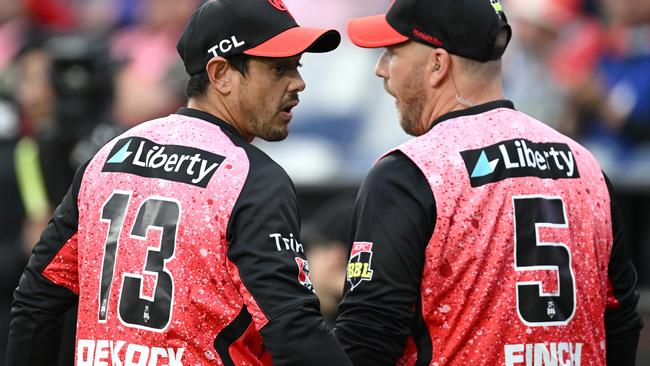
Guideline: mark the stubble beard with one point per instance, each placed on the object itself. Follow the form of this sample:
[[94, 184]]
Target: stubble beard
[[266, 131], [413, 98], [260, 125]]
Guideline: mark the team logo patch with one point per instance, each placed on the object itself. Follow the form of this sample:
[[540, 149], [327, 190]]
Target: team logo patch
[[519, 158], [498, 8], [278, 4], [303, 273], [139, 156], [359, 264]]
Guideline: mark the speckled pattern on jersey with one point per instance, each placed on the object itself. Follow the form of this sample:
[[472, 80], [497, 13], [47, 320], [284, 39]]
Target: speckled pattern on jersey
[[468, 288], [207, 291]]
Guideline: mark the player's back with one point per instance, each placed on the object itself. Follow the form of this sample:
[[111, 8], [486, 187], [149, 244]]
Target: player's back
[[155, 282], [516, 269]]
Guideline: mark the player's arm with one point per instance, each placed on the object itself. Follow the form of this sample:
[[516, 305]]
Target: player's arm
[[622, 320], [47, 288], [395, 211], [264, 247]]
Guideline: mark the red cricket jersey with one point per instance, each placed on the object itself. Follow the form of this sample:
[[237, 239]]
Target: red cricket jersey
[[487, 241], [181, 241]]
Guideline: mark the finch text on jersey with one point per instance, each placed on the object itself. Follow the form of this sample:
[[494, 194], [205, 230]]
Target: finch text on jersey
[[519, 158], [543, 354], [170, 162], [103, 352]]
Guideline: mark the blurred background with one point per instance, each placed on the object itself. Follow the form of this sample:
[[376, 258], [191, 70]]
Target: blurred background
[[75, 73]]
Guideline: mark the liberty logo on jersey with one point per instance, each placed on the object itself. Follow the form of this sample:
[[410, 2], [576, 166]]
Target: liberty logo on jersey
[[139, 156], [359, 264], [519, 158]]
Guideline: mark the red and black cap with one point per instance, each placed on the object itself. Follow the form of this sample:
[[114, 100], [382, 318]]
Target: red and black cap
[[254, 27], [475, 29]]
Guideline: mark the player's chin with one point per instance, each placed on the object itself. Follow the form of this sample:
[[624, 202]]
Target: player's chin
[[408, 124], [276, 133]]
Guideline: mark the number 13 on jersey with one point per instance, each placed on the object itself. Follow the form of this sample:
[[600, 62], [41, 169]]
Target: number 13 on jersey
[[134, 309]]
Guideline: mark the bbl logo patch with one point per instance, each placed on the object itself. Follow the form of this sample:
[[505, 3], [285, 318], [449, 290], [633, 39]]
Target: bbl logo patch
[[359, 264], [303, 273]]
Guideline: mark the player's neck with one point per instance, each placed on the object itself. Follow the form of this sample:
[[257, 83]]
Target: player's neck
[[455, 98], [219, 111]]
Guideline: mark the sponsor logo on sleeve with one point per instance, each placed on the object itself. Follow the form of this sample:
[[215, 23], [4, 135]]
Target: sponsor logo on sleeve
[[520, 158], [359, 264], [303, 273], [139, 156]]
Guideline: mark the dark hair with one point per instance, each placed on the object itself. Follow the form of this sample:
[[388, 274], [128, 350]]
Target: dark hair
[[198, 83], [240, 62]]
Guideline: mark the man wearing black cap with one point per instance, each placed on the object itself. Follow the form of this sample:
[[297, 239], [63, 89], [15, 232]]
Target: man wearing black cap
[[179, 239], [489, 239]]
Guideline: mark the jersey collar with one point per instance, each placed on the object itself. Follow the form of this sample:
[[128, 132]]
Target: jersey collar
[[195, 113], [478, 109]]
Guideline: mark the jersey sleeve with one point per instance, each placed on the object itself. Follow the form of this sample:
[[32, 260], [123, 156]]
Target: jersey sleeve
[[47, 288], [268, 260], [393, 222], [622, 320]]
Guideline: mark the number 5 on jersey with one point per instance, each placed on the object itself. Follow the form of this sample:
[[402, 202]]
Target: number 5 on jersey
[[535, 307], [134, 309]]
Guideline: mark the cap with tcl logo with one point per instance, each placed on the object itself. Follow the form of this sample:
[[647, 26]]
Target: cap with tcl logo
[[254, 27], [475, 29]]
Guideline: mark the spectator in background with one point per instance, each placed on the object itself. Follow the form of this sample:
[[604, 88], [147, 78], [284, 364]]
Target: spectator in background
[[12, 27], [615, 115], [325, 235], [554, 48], [13, 212], [538, 26], [151, 83], [57, 15], [35, 102], [65, 94]]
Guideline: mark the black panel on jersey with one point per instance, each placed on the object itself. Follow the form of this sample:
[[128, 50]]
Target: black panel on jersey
[[230, 334], [421, 337], [296, 333], [267, 205], [395, 211], [36, 323], [623, 323]]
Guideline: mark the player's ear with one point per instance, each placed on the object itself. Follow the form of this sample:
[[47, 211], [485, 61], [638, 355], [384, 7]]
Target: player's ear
[[219, 75], [439, 64]]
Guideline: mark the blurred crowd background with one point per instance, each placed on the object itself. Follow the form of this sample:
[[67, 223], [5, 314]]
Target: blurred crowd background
[[75, 73]]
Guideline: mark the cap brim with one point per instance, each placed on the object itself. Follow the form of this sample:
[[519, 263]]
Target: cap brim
[[373, 31], [296, 40]]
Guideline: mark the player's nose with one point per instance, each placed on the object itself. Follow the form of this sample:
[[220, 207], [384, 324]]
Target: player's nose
[[381, 68], [297, 83]]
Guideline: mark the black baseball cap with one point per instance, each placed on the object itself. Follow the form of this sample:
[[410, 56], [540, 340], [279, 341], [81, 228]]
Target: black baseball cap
[[254, 27], [475, 29]]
